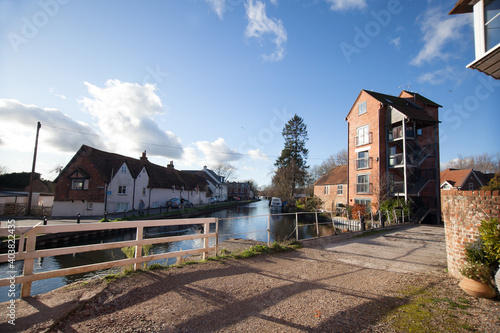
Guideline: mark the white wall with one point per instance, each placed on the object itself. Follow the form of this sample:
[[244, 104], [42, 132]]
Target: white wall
[[122, 178], [68, 208]]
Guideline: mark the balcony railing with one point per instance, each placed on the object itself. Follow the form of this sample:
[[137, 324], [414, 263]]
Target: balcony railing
[[365, 139], [364, 163], [363, 188], [396, 133], [395, 160]]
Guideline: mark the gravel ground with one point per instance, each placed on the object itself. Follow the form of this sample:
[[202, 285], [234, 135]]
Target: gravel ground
[[323, 287]]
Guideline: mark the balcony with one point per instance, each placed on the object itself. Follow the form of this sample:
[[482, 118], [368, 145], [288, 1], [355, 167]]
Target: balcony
[[396, 160], [364, 188], [364, 163], [365, 139], [396, 133]]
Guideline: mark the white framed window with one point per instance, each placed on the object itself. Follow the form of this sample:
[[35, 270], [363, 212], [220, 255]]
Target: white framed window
[[363, 183], [362, 160], [122, 189], [121, 206], [340, 189], [154, 204], [144, 191], [90, 205], [326, 190], [361, 108], [363, 201], [124, 169], [363, 135], [446, 187], [471, 186]]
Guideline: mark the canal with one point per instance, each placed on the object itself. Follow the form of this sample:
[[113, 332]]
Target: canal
[[247, 222]]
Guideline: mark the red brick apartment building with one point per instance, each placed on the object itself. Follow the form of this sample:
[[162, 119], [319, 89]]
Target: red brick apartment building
[[393, 149]]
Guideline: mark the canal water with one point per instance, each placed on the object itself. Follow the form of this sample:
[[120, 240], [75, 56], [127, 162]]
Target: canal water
[[246, 222]]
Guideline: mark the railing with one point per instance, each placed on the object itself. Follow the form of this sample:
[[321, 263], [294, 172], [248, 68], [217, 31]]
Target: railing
[[363, 188], [363, 139], [364, 163], [395, 160], [28, 253]]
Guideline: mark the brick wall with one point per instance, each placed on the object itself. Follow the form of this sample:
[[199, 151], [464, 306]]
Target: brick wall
[[462, 212]]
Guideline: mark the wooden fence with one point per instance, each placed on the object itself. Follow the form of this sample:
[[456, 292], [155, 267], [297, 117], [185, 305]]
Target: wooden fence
[[28, 253]]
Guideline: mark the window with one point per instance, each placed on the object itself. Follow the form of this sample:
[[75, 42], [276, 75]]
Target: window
[[90, 205], [446, 187], [363, 135], [363, 183], [122, 189], [79, 184], [124, 169], [363, 201], [154, 205], [492, 23], [419, 131], [340, 189], [327, 190], [121, 206], [144, 191], [361, 108], [471, 187], [362, 161]]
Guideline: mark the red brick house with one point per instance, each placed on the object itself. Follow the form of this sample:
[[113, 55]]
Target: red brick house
[[393, 148], [95, 181], [331, 188], [462, 179]]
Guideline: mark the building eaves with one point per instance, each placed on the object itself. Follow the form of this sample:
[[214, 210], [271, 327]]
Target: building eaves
[[337, 175]]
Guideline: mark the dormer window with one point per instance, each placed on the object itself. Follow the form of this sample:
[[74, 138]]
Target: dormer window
[[124, 169], [79, 180]]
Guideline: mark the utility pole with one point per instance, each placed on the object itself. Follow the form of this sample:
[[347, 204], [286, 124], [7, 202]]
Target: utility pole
[[32, 177]]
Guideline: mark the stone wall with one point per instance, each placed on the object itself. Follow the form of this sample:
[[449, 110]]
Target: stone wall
[[462, 213]]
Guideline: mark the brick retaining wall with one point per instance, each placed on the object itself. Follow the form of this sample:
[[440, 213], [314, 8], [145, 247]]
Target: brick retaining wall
[[462, 213]]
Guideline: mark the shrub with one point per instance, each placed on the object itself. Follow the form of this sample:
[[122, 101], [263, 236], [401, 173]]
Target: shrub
[[490, 236], [493, 184]]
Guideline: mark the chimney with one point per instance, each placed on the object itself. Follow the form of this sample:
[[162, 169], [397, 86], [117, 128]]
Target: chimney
[[171, 165], [143, 157]]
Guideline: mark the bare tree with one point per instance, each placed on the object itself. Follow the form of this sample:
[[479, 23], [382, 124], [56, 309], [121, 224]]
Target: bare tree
[[340, 158], [487, 163], [225, 170], [3, 170]]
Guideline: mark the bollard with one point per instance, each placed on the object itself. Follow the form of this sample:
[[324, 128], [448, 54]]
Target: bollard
[[45, 220], [78, 218], [105, 216], [362, 222]]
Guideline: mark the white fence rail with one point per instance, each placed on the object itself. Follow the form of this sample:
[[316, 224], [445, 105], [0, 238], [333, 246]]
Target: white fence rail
[[27, 252]]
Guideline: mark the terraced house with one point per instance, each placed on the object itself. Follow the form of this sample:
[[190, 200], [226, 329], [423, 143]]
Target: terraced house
[[393, 149], [95, 181]]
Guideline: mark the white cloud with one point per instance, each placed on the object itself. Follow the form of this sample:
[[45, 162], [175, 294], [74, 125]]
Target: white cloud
[[218, 6], [396, 42], [256, 154], [59, 133], [53, 91], [339, 5], [217, 151], [441, 76], [438, 29], [259, 24], [125, 115]]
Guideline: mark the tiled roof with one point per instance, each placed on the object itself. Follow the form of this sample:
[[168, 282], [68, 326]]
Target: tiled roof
[[108, 164], [405, 106], [463, 6], [456, 177], [337, 175]]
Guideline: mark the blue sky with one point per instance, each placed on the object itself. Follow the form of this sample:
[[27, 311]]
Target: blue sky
[[207, 81]]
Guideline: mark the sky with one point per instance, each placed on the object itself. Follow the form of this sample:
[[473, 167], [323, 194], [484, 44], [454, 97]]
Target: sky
[[201, 82]]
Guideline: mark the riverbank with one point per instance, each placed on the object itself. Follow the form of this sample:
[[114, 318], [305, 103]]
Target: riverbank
[[391, 281]]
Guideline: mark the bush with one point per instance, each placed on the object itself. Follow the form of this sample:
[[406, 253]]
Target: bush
[[490, 236], [493, 185]]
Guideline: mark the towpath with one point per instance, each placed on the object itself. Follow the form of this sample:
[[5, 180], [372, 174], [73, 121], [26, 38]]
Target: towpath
[[361, 284]]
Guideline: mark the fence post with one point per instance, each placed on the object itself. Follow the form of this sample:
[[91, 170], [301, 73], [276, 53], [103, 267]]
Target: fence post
[[138, 248], [28, 263], [206, 230], [317, 225], [388, 217], [216, 236], [333, 224], [78, 218], [297, 226], [269, 230]]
